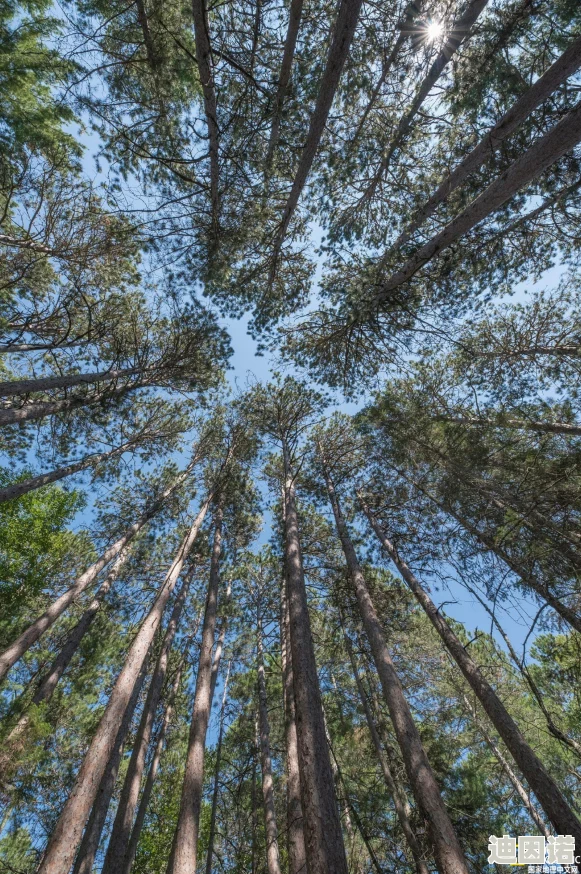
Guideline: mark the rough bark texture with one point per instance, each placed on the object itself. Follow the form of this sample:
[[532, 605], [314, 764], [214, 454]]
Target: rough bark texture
[[270, 827], [206, 68], [49, 681], [46, 383], [393, 789], [67, 834], [92, 835], [30, 412], [325, 851], [216, 790], [121, 831], [557, 73], [294, 810], [449, 856], [22, 643], [548, 149], [185, 846], [541, 783]]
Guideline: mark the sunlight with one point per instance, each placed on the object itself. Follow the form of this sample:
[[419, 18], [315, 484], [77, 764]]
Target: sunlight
[[434, 31]]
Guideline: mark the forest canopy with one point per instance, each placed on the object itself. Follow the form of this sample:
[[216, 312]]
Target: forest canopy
[[318, 612]]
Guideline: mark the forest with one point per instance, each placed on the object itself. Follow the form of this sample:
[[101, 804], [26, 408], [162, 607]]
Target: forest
[[290, 432]]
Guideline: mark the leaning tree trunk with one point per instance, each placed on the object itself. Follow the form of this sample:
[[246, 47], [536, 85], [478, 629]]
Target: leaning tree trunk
[[121, 831], [28, 637], [49, 681], [92, 836], [393, 789], [294, 20], [546, 151], [270, 827], [294, 810], [216, 790], [206, 70], [46, 383], [325, 850], [449, 856], [541, 783], [183, 859], [154, 767], [67, 834]]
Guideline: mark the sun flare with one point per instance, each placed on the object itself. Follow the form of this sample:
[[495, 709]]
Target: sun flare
[[434, 31]]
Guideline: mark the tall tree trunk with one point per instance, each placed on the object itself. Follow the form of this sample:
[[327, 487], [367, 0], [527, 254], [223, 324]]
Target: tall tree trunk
[[34, 410], [49, 681], [521, 424], [541, 783], [152, 59], [325, 851], [294, 810], [154, 767], [449, 855], [46, 383], [216, 790], [548, 149], [121, 831], [458, 34], [393, 789], [343, 33], [92, 835], [551, 79], [25, 640], [16, 490], [67, 834], [294, 20], [184, 853], [520, 789], [219, 648], [206, 69], [270, 827]]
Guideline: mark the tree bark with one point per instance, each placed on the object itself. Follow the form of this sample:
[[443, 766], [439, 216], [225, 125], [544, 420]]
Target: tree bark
[[343, 33], [92, 835], [121, 831], [212, 835], [49, 681], [270, 827], [16, 490], [153, 768], [541, 783], [449, 856], [325, 851], [393, 789], [67, 834], [294, 811], [294, 20], [521, 424], [34, 631], [557, 73], [45, 383], [184, 853], [548, 149], [219, 647], [206, 69]]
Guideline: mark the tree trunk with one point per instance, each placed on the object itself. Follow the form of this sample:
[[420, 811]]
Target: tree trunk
[[25, 640], [16, 490], [294, 811], [521, 424], [393, 789], [206, 69], [212, 835], [45, 383], [270, 827], [449, 855], [325, 851], [541, 783], [67, 834], [153, 768], [343, 33], [458, 34], [219, 647], [49, 681], [557, 73], [92, 835], [548, 149], [184, 853], [520, 789], [294, 20], [121, 831], [145, 30]]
